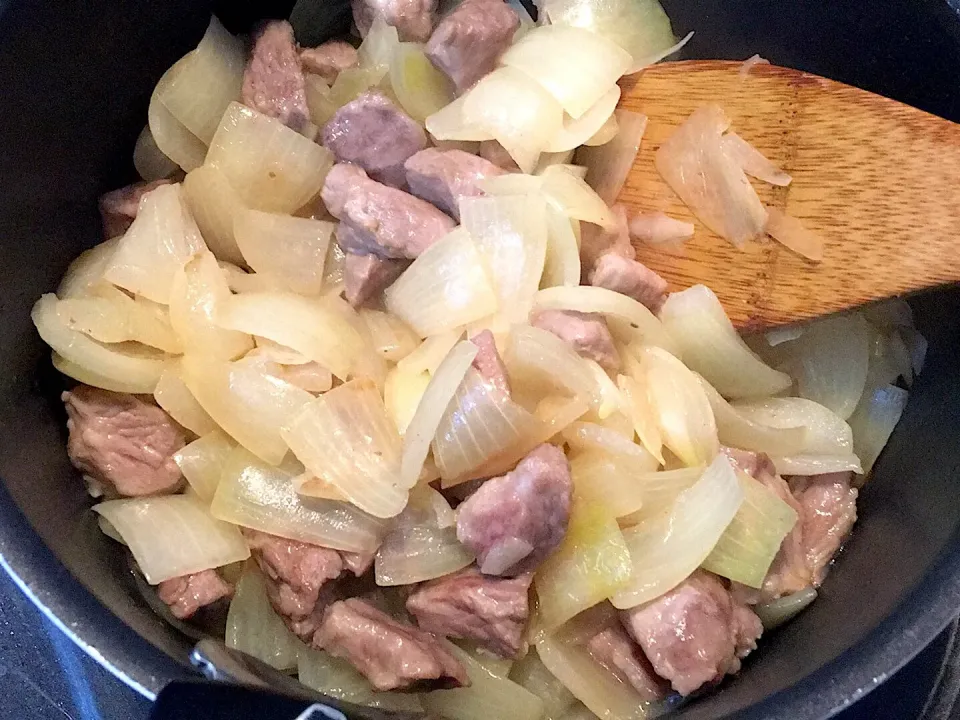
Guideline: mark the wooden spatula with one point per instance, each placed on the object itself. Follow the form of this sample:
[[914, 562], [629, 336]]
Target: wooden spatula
[[878, 180]]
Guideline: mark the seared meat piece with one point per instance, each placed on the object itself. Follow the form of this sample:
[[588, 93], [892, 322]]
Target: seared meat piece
[[467, 42], [595, 241], [631, 278], [497, 154], [188, 593], [828, 510], [488, 362], [376, 135], [273, 79], [587, 333], [297, 577], [365, 276], [489, 610], [378, 219], [512, 523], [413, 19], [389, 654], [120, 440], [442, 177], [694, 634], [118, 208], [329, 59], [614, 649]]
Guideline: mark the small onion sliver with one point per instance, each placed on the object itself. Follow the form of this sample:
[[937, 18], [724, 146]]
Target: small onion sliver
[[791, 233], [609, 164], [584, 129], [753, 162], [418, 553]]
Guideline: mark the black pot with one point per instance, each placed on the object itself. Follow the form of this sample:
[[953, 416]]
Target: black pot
[[74, 81]]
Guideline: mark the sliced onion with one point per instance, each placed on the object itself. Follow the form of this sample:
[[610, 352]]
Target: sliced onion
[[512, 184], [663, 54], [172, 394], [749, 544], [270, 166], [611, 400], [240, 281], [290, 249], [133, 367], [487, 696], [450, 125], [608, 480], [591, 564], [817, 464], [246, 402], [549, 159], [562, 263], [607, 132], [584, 129], [208, 82], [173, 535], [711, 183], [609, 164], [576, 66], [661, 231], [214, 203], [161, 239], [660, 491], [539, 362], [510, 233], [777, 612], [791, 233], [312, 327], [202, 462], [420, 88], [571, 194], [254, 628], [666, 550], [642, 415], [256, 495], [379, 45], [695, 319], [433, 404], [337, 678], [392, 338], [85, 274], [753, 162], [419, 553], [367, 362], [825, 432], [530, 673], [346, 439], [151, 164], [588, 436], [873, 421], [430, 353], [112, 316], [199, 292], [320, 102], [171, 137], [445, 288]]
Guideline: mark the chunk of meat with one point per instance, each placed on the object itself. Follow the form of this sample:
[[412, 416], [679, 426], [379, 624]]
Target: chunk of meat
[[468, 605], [186, 594], [378, 219], [587, 333], [372, 132], [488, 362], [391, 655], [297, 578], [442, 177], [595, 241], [365, 276], [357, 563], [630, 278], [497, 154], [273, 79], [122, 442], [467, 42], [828, 510], [330, 59], [118, 208], [413, 19], [512, 523], [622, 657], [694, 634]]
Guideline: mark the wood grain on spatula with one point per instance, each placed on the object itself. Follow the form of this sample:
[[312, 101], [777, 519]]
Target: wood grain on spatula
[[878, 180]]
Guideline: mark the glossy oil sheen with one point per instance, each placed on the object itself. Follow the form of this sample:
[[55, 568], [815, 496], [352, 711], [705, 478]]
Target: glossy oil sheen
[[74, 82]]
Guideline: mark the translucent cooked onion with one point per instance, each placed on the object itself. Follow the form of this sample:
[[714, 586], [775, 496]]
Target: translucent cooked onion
[[256, 495], [817, 464], [339, 679], [391, 337], [401, 395], [445, 288], [112, 316], [420, 88], [576, 66], [826, 433], [562, 263], [198, 293], [791, 233], [345, 438], [608, 480], [751, 541], [312, 327], [245, 401], [606, 133], [419, 553], [695, 319], [253, 627], [161, 239], [585, 129], [660, 491], [214, 203], [540, 362], [170, 135], [529, 672], [379, 45], [711, 183], [172, 394], [450, 125], [590, 565], [640, 411], [151, 164], [85, 273], [488, 696], [202, 462], [270, 166], [588, 436], [436, 397], [609, 164], [777, 612], [753, 162], [173, 535], [570, 193], [510, 233], [133, 367], [207, 83], [666, 549], [873, 421], [661, 231], [430, 353]]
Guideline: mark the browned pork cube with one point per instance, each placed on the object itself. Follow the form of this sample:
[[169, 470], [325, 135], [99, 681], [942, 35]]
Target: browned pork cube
[[442, 177], [365, 276], [186, 594], [413, 19], [329, 60], [631, 278], [273, 79], [586, 333], [488, 362], [614, 649]]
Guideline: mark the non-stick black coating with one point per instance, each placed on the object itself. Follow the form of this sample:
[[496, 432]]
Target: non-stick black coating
[[74, 82]]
